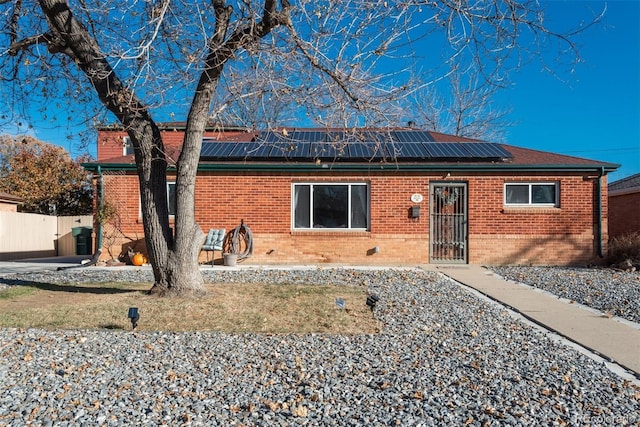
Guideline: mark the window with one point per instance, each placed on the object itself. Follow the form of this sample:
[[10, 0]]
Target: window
[[331, 206], [531, 194], [171, 197], [127, 146]]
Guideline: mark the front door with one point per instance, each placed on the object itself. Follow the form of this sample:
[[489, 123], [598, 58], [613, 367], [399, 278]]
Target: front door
[[448, 222]]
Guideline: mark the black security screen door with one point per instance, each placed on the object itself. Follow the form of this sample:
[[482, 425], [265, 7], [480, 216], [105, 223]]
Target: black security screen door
[[448, 222]]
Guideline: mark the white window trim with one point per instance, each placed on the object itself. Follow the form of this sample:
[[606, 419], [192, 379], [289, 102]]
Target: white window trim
[[530, 204], [168, 205], [126, 143], [140, 201], [346, 229]]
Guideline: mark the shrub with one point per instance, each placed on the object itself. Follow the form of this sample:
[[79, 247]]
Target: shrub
[[625, 247]]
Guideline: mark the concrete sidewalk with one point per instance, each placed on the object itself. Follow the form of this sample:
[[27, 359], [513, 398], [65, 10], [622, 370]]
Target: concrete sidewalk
[[610, 338]]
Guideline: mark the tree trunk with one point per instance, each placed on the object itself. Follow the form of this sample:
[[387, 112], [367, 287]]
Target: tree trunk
[[178, 273], [173, 253]]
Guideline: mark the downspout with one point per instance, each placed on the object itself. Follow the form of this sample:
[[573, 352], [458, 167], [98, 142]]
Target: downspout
[[96, 255], [599, 213], [100, 206]]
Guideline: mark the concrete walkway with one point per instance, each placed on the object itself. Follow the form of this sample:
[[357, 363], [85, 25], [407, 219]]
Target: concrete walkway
[[613, 339]]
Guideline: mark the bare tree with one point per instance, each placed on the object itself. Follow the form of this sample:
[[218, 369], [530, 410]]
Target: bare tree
[[140, 59], [461, 104]]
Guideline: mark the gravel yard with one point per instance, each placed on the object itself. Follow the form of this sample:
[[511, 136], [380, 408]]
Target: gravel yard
[[610, 291], [444, 357]]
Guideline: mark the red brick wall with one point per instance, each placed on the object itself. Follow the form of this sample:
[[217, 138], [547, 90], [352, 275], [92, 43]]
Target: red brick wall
[[110, 142], [497, 235], [624, 214]]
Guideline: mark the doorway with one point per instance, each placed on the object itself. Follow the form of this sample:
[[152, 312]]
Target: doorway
[[448, 222]]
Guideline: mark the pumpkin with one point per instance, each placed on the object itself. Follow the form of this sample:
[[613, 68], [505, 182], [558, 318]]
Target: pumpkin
[[138, 259]]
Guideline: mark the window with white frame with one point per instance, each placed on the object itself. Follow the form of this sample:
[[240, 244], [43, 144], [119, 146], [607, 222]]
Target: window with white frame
[[531, 194], [330, 206], [171, 197], [127, 146]]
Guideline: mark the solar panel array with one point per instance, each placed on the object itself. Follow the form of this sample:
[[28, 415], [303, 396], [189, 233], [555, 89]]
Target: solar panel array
[[352, 146]]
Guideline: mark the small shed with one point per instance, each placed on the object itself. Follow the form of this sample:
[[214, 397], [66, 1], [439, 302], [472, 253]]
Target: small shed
[[9, 202]]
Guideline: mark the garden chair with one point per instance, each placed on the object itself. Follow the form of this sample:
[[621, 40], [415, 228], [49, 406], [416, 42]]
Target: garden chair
[[213, 242]]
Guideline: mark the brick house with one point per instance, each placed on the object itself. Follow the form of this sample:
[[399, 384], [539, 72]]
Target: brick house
[[399, 196], [624, 206]]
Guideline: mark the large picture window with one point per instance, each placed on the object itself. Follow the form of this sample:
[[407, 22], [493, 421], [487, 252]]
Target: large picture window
[[331, 206], [531, 194]]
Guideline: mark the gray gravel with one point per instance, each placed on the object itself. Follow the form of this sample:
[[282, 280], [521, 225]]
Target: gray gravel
[[608, 290], [444, 357]]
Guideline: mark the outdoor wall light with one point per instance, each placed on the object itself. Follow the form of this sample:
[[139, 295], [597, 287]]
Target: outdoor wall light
[[133, 316], [372, 300]]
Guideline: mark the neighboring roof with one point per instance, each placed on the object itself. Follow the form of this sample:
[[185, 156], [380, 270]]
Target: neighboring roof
[[630, 184], [401, 148], [10, 198]]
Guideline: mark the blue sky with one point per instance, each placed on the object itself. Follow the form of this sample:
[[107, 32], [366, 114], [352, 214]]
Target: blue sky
[[593, 112]]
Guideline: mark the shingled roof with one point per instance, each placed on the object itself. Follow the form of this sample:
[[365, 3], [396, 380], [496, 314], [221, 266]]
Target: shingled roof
[[628, 184], [10, 198], [423, 150]]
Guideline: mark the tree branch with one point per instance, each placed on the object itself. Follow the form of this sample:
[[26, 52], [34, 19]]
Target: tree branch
[[45, 38], [316, 64]]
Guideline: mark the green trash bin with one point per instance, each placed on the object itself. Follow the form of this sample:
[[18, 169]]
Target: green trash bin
[[83, 240]]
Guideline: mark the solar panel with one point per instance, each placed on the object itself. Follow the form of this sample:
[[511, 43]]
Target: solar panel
[[268, 137], [335, 136], [242, 150], [300, 150], [352, 146], [449, 150], [327, 150], [216, 149], [307, 136], [360, 151], [486, 150], [261, 151], [206, 150], [411, 150], [405, 136]]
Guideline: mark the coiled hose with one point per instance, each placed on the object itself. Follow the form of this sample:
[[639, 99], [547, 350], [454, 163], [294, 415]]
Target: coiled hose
[[239, 241]]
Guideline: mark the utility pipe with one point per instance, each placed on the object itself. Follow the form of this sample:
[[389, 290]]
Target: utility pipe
[[599, 212]]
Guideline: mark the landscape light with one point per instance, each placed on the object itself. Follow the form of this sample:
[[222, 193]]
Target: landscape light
[[134, 316], [372, 300]]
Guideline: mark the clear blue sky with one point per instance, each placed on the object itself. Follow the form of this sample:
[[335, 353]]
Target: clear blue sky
[[593, 112]]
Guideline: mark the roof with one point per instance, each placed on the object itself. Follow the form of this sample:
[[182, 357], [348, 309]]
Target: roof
[[180, 126], [10, 198], [630, 184], [400, 148]]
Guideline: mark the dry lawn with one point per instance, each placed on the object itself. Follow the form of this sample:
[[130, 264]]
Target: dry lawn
[[234, 308]]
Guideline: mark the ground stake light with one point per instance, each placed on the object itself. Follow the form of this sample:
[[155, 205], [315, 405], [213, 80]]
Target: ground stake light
[[133, 316], [372, 300]]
